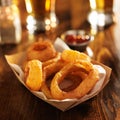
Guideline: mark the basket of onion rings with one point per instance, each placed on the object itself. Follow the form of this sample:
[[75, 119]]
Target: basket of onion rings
[[58, 75]]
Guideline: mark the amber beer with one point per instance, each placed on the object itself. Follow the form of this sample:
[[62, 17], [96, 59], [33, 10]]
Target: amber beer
[[102, 5], [41, 15], [39, 8]]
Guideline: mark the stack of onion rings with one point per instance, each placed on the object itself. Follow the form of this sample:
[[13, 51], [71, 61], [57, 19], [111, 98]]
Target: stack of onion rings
[[68, 66]]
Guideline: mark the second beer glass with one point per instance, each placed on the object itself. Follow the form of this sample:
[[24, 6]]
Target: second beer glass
[[101, 12]]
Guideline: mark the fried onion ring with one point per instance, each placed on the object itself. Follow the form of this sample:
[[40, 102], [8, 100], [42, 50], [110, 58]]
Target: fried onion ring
[[83, 88], [33, 74], [74, 56], [41, 50]]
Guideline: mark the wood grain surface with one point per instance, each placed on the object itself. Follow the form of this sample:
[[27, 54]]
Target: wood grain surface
[[17, 103]]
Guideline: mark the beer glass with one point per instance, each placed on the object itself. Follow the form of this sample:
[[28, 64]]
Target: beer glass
[[101, 12], [41, 15]]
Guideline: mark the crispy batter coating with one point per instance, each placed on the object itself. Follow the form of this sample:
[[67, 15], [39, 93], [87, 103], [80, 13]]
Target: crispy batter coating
[[33, 74], [49, 72], [74, 56]]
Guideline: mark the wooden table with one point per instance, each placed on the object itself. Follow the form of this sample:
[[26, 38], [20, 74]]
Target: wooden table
[[17, 103]]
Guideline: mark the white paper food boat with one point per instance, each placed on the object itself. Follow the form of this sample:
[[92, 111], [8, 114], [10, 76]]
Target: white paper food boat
[[15, 61]]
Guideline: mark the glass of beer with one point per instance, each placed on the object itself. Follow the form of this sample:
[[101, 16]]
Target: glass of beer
[[101, 12], [41, 15]]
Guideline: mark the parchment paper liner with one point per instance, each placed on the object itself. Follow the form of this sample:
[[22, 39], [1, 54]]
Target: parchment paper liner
[[16, 60]]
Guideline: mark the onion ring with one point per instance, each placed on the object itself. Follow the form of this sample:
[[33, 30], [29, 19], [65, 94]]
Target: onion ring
[[83, 88], [74, 56], [42, 50], [33, 74]]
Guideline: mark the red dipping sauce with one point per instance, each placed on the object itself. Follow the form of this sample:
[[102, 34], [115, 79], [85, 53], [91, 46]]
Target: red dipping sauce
[[76, 39]]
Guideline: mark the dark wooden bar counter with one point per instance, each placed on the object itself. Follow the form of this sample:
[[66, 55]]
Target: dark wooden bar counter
[[17, 103]]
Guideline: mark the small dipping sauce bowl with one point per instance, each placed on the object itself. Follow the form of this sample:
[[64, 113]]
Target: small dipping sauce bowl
[[77, 39]]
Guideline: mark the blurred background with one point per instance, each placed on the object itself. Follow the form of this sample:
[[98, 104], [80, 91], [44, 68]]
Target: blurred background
[[74, 12]]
